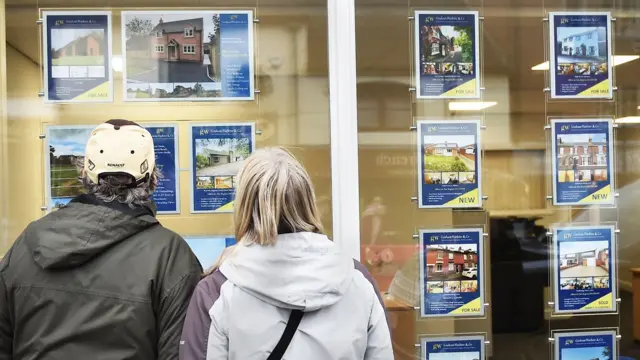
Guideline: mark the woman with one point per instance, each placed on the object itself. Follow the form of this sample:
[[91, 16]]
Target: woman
[[283, 268]]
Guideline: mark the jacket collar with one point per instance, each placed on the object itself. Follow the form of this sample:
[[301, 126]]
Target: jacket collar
[[149, 208]]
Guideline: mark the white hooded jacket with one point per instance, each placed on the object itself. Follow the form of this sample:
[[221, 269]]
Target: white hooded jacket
[[240, 311]]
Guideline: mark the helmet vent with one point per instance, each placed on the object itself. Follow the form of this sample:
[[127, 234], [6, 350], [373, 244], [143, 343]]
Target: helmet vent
[[133, 152], [144, 167], [101, 151]]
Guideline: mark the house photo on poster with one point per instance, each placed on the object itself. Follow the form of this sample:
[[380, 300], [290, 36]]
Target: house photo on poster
[[65, 146], [585, 269], [449, 164], [76, 50], [209, 248], [218, 152], [447, 54], [188, 55], [581, 56], [452, 348], [589, 345], [582, 158], [451, 264]]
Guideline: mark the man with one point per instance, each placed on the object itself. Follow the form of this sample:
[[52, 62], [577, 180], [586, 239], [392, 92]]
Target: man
[[99, 278]]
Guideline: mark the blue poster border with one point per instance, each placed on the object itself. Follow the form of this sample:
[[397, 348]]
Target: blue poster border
[[46, 48], [558, 337], [176, 156], [425, 340], [480, 278], [419, 159], [251, 41], [552, 54], [610, 158], [613, 255], [416, 40], [192, 166]]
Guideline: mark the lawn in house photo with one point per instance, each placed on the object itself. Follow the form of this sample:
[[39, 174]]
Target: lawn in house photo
[[446, 156], [66, 149], [219, 160], [77, 47]]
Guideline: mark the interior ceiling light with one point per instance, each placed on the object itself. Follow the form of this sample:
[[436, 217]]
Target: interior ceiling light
[[617, 60], [470, 105]]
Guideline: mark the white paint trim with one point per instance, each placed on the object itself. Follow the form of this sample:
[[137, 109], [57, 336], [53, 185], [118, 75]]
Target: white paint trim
[[344, 126]]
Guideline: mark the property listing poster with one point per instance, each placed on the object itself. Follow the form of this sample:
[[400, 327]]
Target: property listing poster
[[447, 54], [451, 263], [209, 248], [76, 50], [449, 164], [578, 345], [218, 152], [584, 269], [65, 146], [580, 54], [199, 55], [582, 158], [453, 348]]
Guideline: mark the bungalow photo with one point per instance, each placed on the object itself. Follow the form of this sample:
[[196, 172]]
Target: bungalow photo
[[579, 47], [450, 44], [582, 157], [172, 54], [471, 355], [451, 262], [77, 53], [218, 162], [587, 353], [66, 148], [449, 159], [583, 259]]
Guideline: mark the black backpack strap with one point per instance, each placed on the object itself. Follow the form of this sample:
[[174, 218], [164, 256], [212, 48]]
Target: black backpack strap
[[287, 336]]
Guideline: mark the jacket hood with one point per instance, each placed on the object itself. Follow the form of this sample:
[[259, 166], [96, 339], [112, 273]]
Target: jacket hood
[[76, 233], [303, 271]]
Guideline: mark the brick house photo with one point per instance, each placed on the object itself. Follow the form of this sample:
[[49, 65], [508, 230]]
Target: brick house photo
[[584, 259], [449, 262], [582, 158], [180, 40]]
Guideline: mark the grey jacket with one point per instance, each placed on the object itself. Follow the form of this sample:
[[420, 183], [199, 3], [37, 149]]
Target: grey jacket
[[95, 281], [240, 311]]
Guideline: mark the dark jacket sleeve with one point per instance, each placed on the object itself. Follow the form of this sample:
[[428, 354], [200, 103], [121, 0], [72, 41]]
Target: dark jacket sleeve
[[6, 331], [180, 275], [193, 344]]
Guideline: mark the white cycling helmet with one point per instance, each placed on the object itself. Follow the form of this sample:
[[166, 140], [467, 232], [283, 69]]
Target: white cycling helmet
[[120, 147]]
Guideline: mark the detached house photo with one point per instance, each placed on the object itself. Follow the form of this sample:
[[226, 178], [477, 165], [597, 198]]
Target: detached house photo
[[446, 43], [177, 52], [449, 159]]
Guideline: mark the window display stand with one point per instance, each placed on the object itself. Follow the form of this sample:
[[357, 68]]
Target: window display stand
[[453, 312], [584, 303]]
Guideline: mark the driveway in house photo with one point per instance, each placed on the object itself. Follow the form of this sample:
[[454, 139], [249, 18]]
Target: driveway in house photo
[[221, 170], [584, 271], [173, 72]]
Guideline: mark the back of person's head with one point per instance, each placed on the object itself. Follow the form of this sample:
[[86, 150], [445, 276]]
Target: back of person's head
[[119, 163], [274, 196]]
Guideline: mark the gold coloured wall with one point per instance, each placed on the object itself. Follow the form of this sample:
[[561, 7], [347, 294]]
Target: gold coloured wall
[[291, 110]]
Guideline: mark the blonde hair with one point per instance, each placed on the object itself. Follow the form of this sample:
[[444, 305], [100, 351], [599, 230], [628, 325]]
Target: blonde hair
[[274, 196]]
